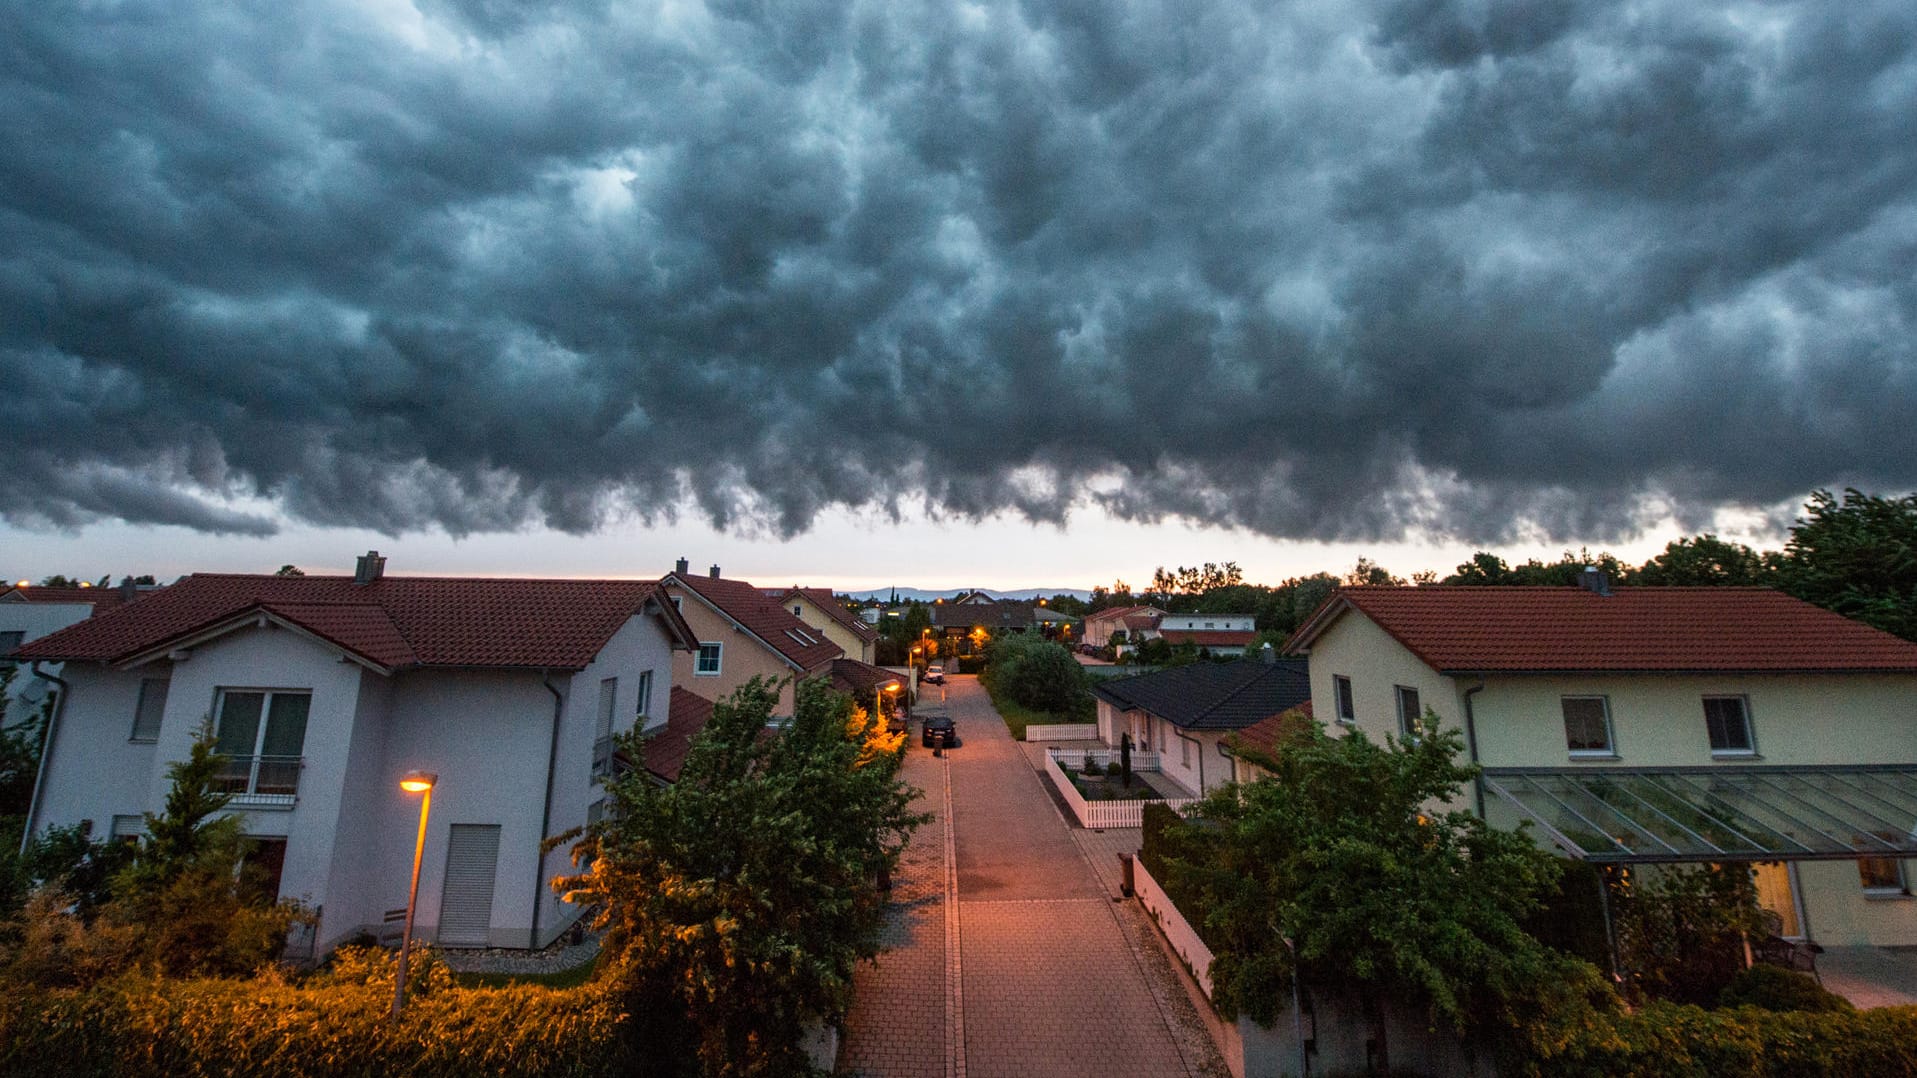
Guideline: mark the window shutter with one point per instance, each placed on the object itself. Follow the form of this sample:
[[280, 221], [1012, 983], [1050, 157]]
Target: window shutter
[[472, 865]]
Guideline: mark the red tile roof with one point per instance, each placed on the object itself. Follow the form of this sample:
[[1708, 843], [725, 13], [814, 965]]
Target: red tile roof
[[99, 598], [861, 679], [666, 748], [391, 622], [763, 618], [1661, 630], [1209, 638], [1116, 612], [824, 600], [1266, 734]]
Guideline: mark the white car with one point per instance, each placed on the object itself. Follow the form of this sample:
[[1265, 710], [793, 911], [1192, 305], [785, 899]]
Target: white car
[[935, 674]]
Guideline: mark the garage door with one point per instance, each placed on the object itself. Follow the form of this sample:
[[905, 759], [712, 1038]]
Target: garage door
[[472, 863]]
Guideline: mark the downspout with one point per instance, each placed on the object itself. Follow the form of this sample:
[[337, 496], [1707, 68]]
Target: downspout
[[1471, 745], [545, 812], [46, 751], [1201, 755]]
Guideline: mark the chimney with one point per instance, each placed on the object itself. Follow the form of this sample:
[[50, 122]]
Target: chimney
[[371, 567], [1593, 580], [715, 572], [682, 567], [1268, 654]]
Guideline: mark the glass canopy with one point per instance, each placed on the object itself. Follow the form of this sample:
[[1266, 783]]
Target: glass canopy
[[1644, 815]]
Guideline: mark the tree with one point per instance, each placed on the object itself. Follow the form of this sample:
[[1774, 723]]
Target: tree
[[290, 570], [1347, 852], [1038, 674], [1487, 568], [1857, 557], [1681, 930], [1706, 560], [1368, 572], [738, 899]]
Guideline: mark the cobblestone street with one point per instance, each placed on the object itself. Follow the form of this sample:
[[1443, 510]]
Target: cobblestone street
[[1009, 954]]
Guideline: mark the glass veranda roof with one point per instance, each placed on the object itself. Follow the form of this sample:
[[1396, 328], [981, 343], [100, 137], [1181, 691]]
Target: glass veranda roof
[[1731, 813]]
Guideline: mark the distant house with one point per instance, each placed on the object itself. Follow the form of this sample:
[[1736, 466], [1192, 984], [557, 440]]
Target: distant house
[[29, 612], [1641, 726], [968, 623], [742, 634], [1186, 713], [818, 608], [321, 691], [1220, 634], [1100, 626]]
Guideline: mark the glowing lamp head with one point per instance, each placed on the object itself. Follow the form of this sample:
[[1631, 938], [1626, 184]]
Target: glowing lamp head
[[418, 782], [891, 686], [21, 583]]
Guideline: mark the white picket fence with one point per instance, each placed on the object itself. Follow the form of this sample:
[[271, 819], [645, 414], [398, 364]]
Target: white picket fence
[[1076, 731], [1104, 814], [1074, 759]]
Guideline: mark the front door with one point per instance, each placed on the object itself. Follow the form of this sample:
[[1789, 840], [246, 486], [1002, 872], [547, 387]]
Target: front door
[[1777, 892]]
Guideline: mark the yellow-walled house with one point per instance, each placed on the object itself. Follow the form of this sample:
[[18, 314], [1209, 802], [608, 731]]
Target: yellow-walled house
[[742, 634], [818, 608], [1637, 726]]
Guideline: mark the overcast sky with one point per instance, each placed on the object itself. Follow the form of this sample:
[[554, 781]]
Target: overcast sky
[[560, 288]]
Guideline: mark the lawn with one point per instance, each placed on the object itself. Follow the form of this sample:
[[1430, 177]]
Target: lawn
[[1017, 718]]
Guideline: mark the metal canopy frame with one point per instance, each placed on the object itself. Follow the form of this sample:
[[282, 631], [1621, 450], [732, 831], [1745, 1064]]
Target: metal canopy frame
[[1728, 813]]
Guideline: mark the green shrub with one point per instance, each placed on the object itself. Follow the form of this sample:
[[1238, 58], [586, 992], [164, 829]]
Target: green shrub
[[139, 1027], [971, 664], [1774, 988], [1668, 1040], [1114, 769]]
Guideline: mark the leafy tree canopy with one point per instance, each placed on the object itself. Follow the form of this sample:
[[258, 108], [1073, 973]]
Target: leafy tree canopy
[[1857, 556], [739, 898]]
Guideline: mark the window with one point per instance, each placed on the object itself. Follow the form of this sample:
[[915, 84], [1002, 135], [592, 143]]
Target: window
[[1184, 752], [1347, 712], [1882, 875], [678, 604], [127, 829], [644, 693], [602, 728], [261, 733], [10, 639], [1587, 725], [1410, 715], [148, 711], [1727, 720], [796, 610], [709, 658]]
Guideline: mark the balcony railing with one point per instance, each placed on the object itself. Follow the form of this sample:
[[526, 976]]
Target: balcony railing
[[260, 781]]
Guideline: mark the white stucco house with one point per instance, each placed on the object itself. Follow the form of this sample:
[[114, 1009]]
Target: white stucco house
[[1220, 634], [324, 690], [29, 612], [1643, 726]]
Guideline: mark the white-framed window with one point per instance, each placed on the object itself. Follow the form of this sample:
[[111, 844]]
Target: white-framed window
[[10, 639], [262, 733], [148, 711], [711, 656], [1347, 708], [127, 828], [643, 705], [1587, 725], [1727, 722], [797, 610], [1184, 752], [678, 603], [602, 725], [1410, 714]]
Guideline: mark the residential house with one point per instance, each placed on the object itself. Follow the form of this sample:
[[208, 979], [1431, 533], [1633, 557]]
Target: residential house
[[29, 612], [1262, 739], [1186, 713], [322, 691], [1220, 634], [742, 634], [1100, 625], [1638, 726], [818, 608], [966, 625]]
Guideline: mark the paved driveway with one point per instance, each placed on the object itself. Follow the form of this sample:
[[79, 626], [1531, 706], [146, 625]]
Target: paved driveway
[[1040, 972]]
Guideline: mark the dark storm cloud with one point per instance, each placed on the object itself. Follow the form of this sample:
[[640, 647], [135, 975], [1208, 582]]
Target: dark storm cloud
[[1471, 267]]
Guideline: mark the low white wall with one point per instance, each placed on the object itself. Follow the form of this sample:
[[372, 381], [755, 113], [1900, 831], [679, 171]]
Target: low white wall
[[1077, 731], [1178, 931]]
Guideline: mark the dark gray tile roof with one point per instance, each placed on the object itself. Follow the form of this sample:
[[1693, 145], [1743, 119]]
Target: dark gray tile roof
[[1213, 696]]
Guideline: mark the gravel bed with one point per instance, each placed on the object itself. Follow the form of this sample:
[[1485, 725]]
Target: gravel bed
[[557, 958]]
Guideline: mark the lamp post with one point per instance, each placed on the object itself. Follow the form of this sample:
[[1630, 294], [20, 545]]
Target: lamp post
[[878, 698], [414, 782]]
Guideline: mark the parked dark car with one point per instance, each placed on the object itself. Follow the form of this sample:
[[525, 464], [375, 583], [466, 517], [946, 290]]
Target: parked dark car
[[938, 730]]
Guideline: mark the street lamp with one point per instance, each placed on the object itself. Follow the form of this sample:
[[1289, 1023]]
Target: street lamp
[[413, 782], [878, 698]]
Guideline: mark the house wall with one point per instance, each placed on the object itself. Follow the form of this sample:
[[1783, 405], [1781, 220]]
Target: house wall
[[1657, 720], [1173, 623], [1199, 766], [808, 611], [744, 656], [92, 771]]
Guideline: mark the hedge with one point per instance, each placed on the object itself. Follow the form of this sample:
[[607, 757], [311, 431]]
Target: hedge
[[139, 1027], [1666, 1040]]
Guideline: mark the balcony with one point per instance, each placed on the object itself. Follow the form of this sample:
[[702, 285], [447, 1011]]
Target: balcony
[[260, 781]]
